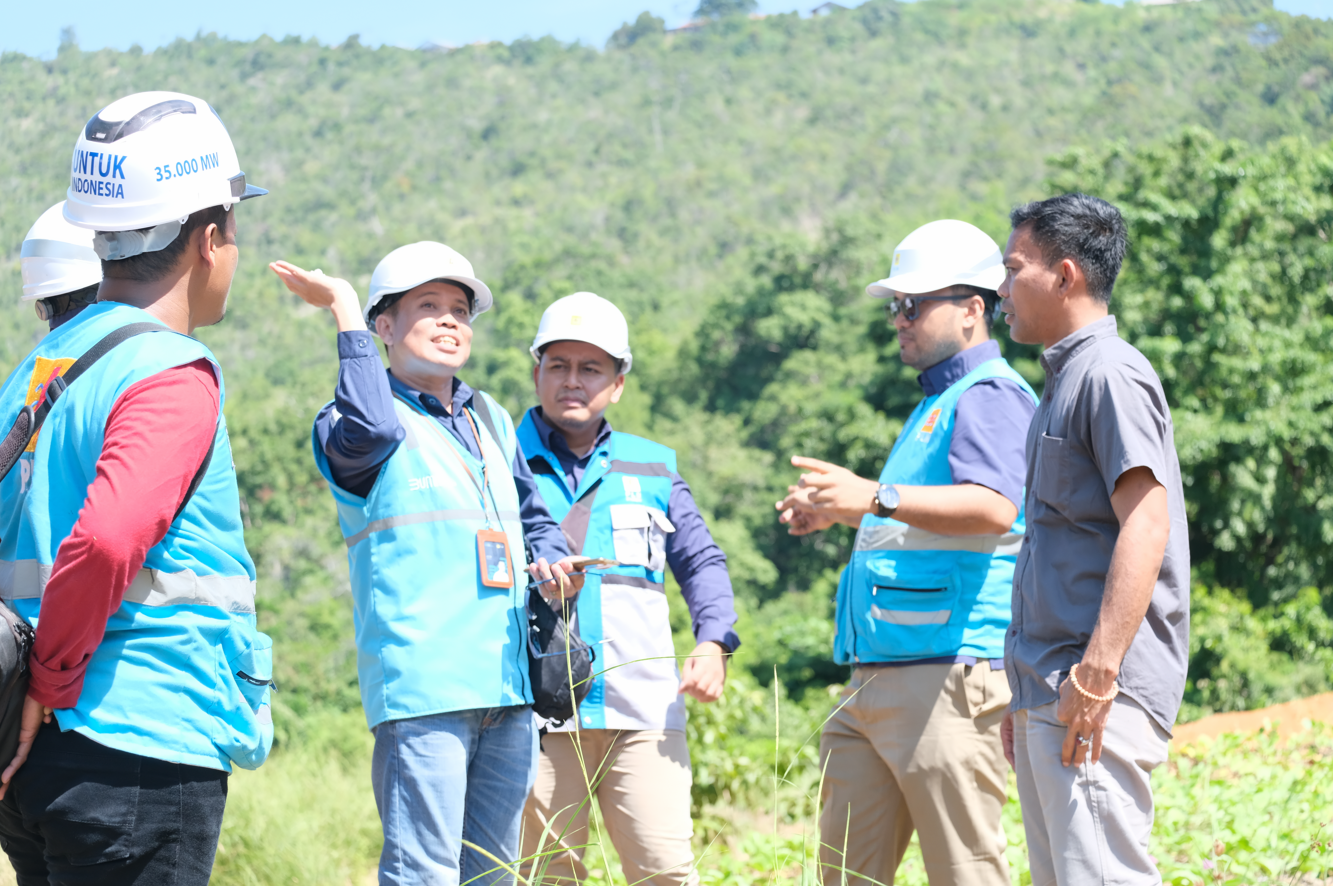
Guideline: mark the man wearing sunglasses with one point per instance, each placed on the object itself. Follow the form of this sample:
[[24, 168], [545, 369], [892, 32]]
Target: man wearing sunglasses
[[923, 607]]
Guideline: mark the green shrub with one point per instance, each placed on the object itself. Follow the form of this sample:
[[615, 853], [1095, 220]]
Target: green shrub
[[1242, 658]]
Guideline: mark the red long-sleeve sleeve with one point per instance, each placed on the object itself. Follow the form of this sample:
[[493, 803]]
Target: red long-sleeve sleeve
[[156, 437]]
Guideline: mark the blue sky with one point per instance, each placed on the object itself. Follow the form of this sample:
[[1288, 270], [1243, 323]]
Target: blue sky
[[34, 28]]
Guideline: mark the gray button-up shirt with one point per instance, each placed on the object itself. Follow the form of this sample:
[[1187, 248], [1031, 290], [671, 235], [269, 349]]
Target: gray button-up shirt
[[1103, 412]]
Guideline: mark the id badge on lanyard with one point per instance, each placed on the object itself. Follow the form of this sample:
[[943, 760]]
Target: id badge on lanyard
[[497, 570], [493, 560]]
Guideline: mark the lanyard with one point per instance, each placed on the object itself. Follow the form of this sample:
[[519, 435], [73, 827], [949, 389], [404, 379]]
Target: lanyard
[[484, 487]]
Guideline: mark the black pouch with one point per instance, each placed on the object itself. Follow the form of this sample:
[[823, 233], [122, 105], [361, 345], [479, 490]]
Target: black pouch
[[559, 662], [16, 637]]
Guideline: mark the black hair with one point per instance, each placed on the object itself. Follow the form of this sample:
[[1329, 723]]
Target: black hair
[[990, 297], [1087, 230], [389, 304], [149, 267]]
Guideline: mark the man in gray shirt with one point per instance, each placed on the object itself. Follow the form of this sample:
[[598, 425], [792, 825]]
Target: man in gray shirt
[[1098, 647]]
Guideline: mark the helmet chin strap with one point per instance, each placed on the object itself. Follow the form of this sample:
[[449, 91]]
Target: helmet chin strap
[[116, 245]]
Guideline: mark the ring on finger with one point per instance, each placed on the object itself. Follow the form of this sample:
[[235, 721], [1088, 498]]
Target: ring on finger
[[1081, 741]]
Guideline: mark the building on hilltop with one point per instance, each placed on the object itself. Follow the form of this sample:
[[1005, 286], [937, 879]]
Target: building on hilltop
[[693, 25]]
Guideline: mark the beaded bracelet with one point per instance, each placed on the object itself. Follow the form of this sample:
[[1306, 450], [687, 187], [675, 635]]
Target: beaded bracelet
[[1073, 678]]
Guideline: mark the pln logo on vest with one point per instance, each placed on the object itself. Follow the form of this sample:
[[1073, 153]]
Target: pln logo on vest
[[928, 426], [430, 481], [633, 491], [44, 371]]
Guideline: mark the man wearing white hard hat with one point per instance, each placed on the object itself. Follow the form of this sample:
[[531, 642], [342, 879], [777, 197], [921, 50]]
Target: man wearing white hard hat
[[60, 269], [620, 498], [123, 540], [923, 607], [436, 504]]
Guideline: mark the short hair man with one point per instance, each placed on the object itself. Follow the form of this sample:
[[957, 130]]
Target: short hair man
[[1097, 654], [435, 502], [124, 528], [61, 270], [619, 497], [924, 604]]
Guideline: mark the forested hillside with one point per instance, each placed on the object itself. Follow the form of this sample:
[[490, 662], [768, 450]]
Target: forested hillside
[[734, 188]]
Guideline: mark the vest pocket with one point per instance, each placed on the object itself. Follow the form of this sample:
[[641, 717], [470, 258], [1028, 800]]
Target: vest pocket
[[245, 721], [638, 534], [910, 615], [253, 672]]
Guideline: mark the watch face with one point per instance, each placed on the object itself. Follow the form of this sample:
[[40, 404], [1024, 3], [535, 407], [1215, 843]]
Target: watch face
[[888, 497]]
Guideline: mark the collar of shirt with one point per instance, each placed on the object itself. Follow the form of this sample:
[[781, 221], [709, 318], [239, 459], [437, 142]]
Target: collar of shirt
[[938, 378], [430, 403], [1057, 356], [554, 441]]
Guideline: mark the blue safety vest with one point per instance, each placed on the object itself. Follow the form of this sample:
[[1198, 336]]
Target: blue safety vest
[[182, 674], [619, 511], [430, 637], [911, 594]]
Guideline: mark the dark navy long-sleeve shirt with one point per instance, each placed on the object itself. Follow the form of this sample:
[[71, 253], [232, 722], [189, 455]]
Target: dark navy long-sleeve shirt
[[696, 561], [360, 430], [990, 423]]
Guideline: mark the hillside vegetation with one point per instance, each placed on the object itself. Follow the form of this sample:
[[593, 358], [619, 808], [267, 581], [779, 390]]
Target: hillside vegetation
[[733, 189]]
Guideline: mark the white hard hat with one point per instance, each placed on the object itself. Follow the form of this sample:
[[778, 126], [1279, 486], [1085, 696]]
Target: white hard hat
[[407, 267], [942, 253], [147, 161], [586, 317], [57, 257]]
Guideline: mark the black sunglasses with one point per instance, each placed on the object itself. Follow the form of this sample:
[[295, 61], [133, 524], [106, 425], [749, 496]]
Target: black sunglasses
[[910, 306]]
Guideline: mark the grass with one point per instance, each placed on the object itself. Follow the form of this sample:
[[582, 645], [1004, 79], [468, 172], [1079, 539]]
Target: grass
[[1238, 810], [305, 817]]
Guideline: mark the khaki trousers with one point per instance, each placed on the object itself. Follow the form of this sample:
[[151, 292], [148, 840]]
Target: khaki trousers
[[915, 748], [641, 779]]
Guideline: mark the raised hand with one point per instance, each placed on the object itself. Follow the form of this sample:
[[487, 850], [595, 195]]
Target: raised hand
[[319, 289]]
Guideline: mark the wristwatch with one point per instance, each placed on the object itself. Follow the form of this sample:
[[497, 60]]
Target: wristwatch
[[886, 500]]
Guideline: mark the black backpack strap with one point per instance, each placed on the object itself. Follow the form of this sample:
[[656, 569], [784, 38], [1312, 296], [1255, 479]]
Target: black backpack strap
[[30, 418], [198, 478]]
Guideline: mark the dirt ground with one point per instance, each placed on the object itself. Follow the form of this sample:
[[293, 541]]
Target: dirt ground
[[1288, 718]]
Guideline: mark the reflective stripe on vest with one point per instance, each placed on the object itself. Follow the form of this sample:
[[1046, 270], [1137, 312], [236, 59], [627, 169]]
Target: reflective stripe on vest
[[910, 594], [26, 580], [901, 537], [467, 514]]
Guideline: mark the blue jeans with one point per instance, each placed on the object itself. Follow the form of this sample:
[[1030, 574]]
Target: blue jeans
[[444, 779]]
